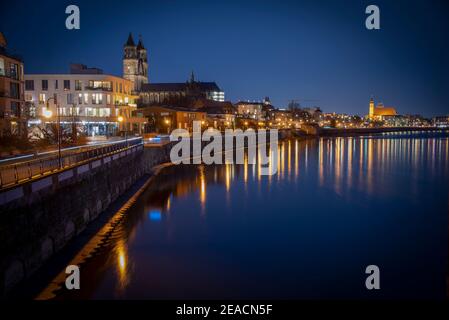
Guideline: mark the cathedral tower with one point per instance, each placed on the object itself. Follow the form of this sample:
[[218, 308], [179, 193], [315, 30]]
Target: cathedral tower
[[371, 108], [135, 63]]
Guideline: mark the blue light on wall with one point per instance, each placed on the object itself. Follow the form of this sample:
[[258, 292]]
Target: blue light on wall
[[155, 215]]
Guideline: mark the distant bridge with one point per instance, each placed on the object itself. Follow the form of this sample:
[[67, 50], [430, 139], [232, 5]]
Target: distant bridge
[[319, 131]]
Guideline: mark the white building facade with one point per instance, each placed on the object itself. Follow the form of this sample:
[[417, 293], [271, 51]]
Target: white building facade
[[101, 104]]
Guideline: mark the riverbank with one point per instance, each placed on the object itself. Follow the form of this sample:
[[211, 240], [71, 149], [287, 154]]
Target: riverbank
[[49, 278]]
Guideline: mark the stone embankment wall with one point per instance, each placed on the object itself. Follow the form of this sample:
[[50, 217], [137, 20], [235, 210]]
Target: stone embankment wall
[[39, 218]]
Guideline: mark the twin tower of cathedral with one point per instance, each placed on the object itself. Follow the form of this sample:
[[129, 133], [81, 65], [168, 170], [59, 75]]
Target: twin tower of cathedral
[[135, 63]]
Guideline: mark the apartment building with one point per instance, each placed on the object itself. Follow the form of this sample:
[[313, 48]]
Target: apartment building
[[101, 104], [12, 105]]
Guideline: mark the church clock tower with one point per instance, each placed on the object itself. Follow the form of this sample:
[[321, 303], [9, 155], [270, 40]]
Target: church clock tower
[[135, 63], [371, 108]]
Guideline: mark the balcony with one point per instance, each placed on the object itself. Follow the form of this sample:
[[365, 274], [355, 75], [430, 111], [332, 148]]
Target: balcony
[[98, 88]]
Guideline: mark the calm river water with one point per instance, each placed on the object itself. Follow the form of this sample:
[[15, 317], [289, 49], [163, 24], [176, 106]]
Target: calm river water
[[336, 206]]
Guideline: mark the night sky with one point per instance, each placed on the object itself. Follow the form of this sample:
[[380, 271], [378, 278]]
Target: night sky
[[306, 50]]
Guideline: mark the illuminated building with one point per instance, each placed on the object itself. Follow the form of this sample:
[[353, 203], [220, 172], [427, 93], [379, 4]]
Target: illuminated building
[[85, 96], [135, 63], [441, 121], [12, 103], [380, 111], [220, 115], [179, 93], [164, 119], [135, 69]]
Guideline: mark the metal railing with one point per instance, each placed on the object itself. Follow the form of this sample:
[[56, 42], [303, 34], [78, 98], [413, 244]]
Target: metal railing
[[18, 172]]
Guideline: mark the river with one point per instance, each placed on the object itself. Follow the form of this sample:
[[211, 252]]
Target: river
[[335, 206]]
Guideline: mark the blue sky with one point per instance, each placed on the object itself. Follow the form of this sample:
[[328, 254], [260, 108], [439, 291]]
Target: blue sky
[[314, 50]]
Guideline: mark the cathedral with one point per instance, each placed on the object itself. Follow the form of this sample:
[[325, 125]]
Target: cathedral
[[135, 63], [135, 68], [379, 112]]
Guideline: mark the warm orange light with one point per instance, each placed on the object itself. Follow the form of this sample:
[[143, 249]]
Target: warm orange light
[[120, 119], [47, 113]]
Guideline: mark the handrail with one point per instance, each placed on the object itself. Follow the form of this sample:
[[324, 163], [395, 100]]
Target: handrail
[[16, 173]]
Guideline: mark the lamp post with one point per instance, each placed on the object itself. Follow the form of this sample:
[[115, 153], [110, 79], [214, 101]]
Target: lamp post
[[48, 114], [168, 123], [120, 120]]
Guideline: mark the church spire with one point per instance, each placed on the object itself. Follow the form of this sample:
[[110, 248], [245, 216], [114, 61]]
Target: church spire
[[192, 77], [140, 44], [130, 42]]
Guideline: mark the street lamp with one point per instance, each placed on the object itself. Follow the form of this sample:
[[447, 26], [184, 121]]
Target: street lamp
[[167, 122], [48, 113], [120, 119]]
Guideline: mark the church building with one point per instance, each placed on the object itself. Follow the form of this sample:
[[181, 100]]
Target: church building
[[135, 63], [183, 93], [135, 68], [379, 112]]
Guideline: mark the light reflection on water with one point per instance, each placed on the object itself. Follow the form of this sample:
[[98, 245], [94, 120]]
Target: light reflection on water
[[335, 206]]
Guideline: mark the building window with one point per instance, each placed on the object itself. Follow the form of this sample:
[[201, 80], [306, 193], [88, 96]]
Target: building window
[[44, 85], [2, 67], [97, 84], [14, 92], [41, 98], [14, 71], [66, 84], [80, 98], [56, 84], [15, 109], [78, 85], [69, 98], [86, 98], [121, 88], [108, 99], [29, 85], [104, 112], [97, 98]]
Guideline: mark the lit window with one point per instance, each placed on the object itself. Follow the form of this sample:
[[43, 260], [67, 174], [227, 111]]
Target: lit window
[[2, 67], [42, 98]]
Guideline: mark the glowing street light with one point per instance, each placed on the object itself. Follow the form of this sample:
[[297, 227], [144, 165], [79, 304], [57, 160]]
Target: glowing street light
[[121, 119], [47, 113]]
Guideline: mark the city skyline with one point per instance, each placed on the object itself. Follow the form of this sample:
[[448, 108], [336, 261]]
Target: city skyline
[[304, 51]]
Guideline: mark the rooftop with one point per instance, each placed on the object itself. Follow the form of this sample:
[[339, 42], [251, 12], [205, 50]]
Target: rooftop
[[181, 86]]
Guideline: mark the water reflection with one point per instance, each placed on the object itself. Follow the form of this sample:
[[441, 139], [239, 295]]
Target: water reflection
[[226, 231], [122, 266]]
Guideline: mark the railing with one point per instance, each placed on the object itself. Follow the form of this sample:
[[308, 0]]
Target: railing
[[15, 173], [90, 88]]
